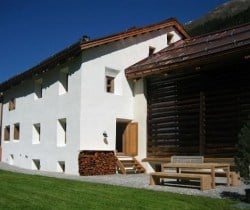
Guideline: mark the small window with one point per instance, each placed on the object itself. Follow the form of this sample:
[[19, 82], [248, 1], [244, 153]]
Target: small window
[[16, 131], [36, 133], [11, 159], [151, 50], [61, 166], [110, 83], [12, 104], [61, 132], [170, 38], [7, 133], [38, 89], [64, 80], [36, 164]]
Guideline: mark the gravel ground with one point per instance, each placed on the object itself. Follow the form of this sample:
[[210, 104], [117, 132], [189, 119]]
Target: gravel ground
[[142, 181]]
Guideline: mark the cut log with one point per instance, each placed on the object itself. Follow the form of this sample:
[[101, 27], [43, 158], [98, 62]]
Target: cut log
[[97, 163]]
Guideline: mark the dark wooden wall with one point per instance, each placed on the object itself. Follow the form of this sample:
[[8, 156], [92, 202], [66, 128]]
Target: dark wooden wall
[[197, 112]]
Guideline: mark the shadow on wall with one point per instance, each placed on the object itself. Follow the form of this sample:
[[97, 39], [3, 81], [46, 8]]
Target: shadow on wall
[[112, 47], [49, 77]]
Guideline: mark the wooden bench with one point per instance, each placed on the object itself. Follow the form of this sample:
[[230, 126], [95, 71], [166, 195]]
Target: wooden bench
[[234, 176], [205, 180]]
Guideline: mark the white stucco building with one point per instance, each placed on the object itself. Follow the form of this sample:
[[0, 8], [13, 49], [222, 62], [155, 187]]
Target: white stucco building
[[80, 99]]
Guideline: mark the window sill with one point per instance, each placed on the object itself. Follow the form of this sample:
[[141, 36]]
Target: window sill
[[16, 140], [61, 145]]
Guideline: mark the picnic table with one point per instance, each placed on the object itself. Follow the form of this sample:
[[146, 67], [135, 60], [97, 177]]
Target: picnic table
[[212, 167]]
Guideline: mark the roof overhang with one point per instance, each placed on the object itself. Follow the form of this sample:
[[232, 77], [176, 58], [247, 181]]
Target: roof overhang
[[44, 66], [172, 22], [75, 49], [232, 56], [221, 46]]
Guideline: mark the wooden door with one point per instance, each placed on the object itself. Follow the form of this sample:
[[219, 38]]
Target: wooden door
[[130, 139]]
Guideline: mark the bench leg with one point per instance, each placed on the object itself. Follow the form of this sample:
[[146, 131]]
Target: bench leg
[[154, 180], [205, 183], [234, 179]]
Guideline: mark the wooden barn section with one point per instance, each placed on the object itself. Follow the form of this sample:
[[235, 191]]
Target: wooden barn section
[[198, 94]]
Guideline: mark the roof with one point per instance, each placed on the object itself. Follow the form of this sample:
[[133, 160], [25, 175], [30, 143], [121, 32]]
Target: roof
[[76, 48], [194, 50]]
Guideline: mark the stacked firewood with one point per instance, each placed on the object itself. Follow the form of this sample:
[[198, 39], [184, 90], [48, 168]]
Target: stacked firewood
[[97, 163]]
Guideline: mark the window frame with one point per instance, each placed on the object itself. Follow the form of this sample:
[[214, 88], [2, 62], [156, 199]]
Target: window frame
[[12, 104], [61, 132], [61, 166], [110, 84], [36, 164], [38, 88], [36, 133], [151, 50], [16, 131], [170, 37], [7, 133], [63, 82]]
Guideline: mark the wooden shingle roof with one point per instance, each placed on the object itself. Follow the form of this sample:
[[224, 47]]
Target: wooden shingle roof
[[198, 49]]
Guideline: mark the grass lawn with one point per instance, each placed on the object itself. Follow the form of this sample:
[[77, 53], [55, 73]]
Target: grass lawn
[[21, 191]]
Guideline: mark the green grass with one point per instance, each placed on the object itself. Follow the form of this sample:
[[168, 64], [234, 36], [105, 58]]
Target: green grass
[[21, 191]]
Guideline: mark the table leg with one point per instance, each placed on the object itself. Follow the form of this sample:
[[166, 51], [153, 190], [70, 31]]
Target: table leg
[[227, 170], [213, 176], [177, 171]]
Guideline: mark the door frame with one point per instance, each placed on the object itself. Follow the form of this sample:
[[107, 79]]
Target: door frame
[[128, 137]]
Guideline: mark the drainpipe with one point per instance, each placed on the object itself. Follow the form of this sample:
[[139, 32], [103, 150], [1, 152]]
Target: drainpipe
[[1, 120]]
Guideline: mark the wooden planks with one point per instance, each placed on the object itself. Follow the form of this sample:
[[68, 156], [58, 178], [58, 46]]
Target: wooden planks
[[204, 179], [130, 139], [173, 113], [197, 113]]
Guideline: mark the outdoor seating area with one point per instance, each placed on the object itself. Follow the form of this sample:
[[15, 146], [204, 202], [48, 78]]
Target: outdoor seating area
[[205, 180], [193, 168]]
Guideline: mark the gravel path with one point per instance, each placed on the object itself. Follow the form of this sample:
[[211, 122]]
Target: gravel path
[[142, 181]]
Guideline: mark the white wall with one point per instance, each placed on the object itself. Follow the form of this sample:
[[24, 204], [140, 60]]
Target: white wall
[[88, 109], [101, 109], [46, 111], [1, 105]]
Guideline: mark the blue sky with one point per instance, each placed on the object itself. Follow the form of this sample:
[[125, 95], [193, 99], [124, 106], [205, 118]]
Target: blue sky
[[33, 30]]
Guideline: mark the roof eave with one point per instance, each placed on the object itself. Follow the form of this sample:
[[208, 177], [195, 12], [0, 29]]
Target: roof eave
[[172, 22], [196, 62], [78, 47], [59, 58]]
